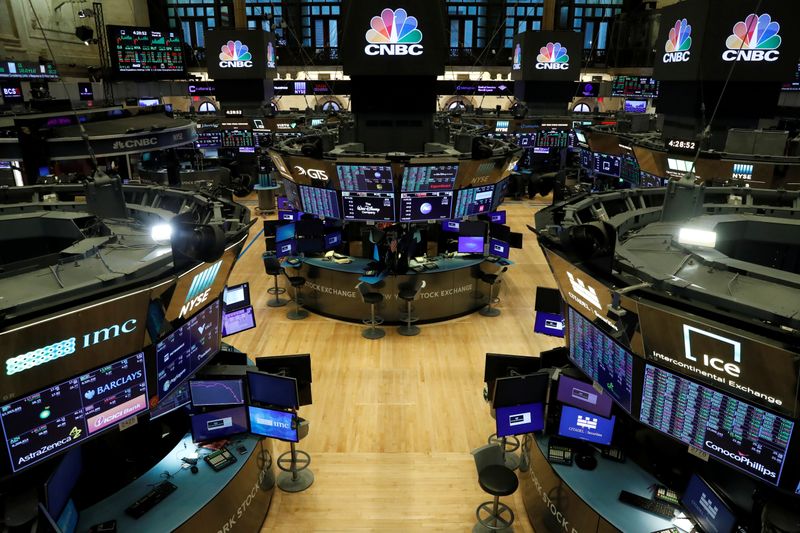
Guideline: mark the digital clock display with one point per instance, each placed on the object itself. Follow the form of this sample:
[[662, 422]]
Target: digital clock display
[[682, 145]]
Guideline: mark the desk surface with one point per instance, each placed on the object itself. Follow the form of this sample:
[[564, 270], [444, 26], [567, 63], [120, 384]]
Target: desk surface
[[600, 489], [358, 265], [194, 490]]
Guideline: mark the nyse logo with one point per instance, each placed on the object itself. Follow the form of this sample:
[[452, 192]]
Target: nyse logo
[[135, 143], [691, 333], [587, 422], [312, 173], [586, 292], [200, 288]]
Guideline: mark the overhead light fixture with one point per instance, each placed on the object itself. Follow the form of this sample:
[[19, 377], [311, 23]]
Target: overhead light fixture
[[85, 34], [697, 237], [161, 233]]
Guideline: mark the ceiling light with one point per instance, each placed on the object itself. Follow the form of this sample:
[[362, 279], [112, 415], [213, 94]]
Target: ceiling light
[[697, 237]]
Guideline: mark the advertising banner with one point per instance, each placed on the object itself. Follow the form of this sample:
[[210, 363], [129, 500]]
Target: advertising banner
[[240, 54], [547, 56]]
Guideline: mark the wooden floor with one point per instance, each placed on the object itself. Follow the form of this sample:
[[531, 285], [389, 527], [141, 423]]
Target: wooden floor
[[394, 420]]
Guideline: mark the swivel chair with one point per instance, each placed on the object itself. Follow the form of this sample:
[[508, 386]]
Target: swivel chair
[[371, 298], [491, 280], [273, 268], [297, 282], [295, 475], [497, 480], [408, 292]]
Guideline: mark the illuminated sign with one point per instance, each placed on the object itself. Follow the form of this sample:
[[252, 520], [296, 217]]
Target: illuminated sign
[[677, 48], [234, 54], [755, 39], [312, 173], [552, 57], [394, 33], [200, 288], [271, 63], [516, 64]]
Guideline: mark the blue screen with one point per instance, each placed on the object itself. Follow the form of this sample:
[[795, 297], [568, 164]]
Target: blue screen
[[68, 521], [219, 424], [217, 392], [238, 321], [62, 481], [286, 249], [450, 225], [498, 248], [470, 245], [583, 425], [710, 512], [285, 232], [498, 217], [332, 240], [519, 419], [272, 423], [271, 389]]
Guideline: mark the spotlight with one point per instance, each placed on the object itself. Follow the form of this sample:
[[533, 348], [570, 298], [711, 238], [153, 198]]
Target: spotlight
[[697, 237], [84, 33], [199, 242], [161, 233], [519, 111], [312, 147]]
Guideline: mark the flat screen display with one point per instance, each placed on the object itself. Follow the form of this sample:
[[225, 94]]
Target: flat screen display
[[28, 70], [237, 321], [285, 232], [498, 217], [332, 240], [607, 164], [426, 206], [273, 423], [709, 510], [378, 206], [207, 392], [519, 419], [451, 226], [474, 201], [178, 398], [470, 245], [583, 425], [644, 86], [365, 178], [85, 91], [584, 396], [742, 435], [208, 139], [321, 202], [429, 178], [292, 195], [148, 102], [498, 248], [236, 296], [555, 138], [519, 390], [286, 248], [61, 482], [635, 106], [12, 92], [145, 52], [271, 389], [220, 424]]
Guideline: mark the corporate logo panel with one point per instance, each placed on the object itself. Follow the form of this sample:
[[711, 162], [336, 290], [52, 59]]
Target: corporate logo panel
[[234, 54], [553, 56], [516, 64], [754, 39], [678, 46], [394, 33]]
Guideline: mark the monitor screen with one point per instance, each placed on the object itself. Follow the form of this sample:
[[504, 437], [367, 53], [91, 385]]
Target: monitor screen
[[518, 390], [286, 248], [643, 86], [208, 139], [474, 201], [470, 245], [273, 423], [552, 139], [283, 203], [58, 487], [498, 248], [426, 206], [429, 178], [600, 358], [583, 395], [210, 153], [607, 164], [580, 137], [181, 353], [498, 217], [148, 102], [364, 178], [321, 202], [583, 425], [85, 91], [237, 321], [221, 391], [498, 365], [220, 424], [451, 226], [332, 240], [365, 206], [285, 232], [469, 228], [271, 389], [145, 52], [706, 508], [519, 419], [236, 296], [175, 400], [744, 436], [12, 92], [43, 424], [292, 195], [635, 106]]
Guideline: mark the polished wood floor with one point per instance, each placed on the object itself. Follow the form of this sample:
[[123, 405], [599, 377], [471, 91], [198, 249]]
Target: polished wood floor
[[394, 420]]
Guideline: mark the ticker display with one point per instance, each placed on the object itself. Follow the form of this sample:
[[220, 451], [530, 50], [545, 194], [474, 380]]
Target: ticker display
[[145, 52]]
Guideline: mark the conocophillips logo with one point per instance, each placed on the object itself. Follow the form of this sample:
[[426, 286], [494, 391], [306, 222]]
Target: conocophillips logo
[[516, 63], [234, 54], [394, 33], [312, 173], [552, 57], [201, 285], [755, 39], [677, 47]]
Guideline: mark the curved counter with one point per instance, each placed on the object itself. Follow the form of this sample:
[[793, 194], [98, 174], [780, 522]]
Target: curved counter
[[452, 289], [236, 498]]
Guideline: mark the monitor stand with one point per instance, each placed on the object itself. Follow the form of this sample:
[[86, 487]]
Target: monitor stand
[[584, 458]]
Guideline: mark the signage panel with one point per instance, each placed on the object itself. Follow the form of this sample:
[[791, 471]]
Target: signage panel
[[240, 54], [547, 56]]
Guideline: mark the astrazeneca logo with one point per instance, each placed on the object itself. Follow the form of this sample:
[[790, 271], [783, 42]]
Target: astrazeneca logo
[[588, 293], [678, 46], [200, 287], [755, 39], [312, 173], [394, 33], [270, 55], [234, 54], [587, 422], [552, 57], [714, 361], [516, 63]]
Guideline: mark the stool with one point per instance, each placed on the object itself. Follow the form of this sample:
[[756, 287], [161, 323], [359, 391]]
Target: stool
[[273, 268], [371, 298], [296, 477], [408, 292], [491, 280], [297, 283], [509, 445], [496, 480]]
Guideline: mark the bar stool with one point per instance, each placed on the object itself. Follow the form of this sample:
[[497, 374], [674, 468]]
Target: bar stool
[[509, 445], [295, 475], [273, 268], [496, 480], [491, 280], [371, 298], [297, 282], [408, 292]]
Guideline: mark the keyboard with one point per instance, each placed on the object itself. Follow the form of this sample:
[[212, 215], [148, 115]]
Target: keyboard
[[151, 499], [220, 459], [559, 454], [646, 504]]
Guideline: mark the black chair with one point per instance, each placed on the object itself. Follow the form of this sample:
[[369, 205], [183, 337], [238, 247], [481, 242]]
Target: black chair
[[273, 268], [408, 291], [491, 280], [371, 298], [297, 282], [497, 480]]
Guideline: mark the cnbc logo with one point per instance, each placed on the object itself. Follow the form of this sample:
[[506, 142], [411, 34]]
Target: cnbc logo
[[234, 54], [516, 63], [394, 33], [552, 57], [755, 39], [677, 49], [270, 55], [200, 288]]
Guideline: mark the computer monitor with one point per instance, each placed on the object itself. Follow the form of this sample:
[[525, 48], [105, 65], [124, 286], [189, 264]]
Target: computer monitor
[[706, 507], [236, 296], [519, 419], [470, 245], [178, 398], [271, 389], [297, 366], [469, 228], [518, 390], [210, 153], [450, 226], [515, 240], [285, 232], [283, 203], [333, 240], [148, 102], [582, 425], [368, 206], [497, 217], [548, 300], [321, 202], [498, 248], [584, 396], [59, 485], [498, 365], [499, 231], [220, 424], [429, 178], [474, 201], [273, 423], [420, 206], [363, 178], [311, 246], [636, 106], [234, 322], [286, 248], [215, 392]]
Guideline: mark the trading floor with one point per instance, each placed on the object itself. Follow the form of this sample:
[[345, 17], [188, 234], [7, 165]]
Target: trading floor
[[394, 421]]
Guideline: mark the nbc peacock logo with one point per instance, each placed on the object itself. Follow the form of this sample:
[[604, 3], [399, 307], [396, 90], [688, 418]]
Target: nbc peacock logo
[[270, 55], [755, 39], [516, 63], [679, 44], [234, 54], [552, 57], [394, 33]]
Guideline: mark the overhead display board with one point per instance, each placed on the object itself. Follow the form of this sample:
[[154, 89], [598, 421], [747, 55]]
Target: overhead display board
[[145, 53], [547, 56], [240, 55], [27, 70]]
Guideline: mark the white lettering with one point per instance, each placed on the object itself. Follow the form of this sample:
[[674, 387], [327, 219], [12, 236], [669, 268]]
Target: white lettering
[[677, 57], [751, 55], [552, 66], [393, 50], [235, 64]]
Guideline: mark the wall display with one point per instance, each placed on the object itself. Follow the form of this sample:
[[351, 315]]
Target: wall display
[[27, 70], [421, 206], [48, 422], [314, 172], [635, 106], [238, 54], [552, 138], [321, 202], [365, 178], [635, 86], [364, 206], [143, 52], [547, 56], [12, 92], [418, 178], [237, 138], [588, 89], [746, 437], [474, 201]]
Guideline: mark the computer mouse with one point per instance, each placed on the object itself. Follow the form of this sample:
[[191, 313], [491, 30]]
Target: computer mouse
[[195, 470]]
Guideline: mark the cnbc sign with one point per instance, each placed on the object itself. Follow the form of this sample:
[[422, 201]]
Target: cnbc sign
[[755, 38], [235, 54], [553, 56], [678, 46], [393, 33]]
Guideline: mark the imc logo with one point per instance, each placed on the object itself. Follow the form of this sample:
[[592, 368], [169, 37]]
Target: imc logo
[[697, 343], [234, 54], [755, 39], [394, 33], [271, 55], [552, 57], [677, 49], [516, 63], [587, 422], [587, 293], [200, 287]]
